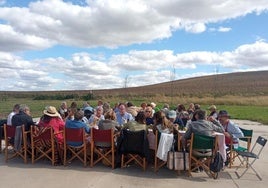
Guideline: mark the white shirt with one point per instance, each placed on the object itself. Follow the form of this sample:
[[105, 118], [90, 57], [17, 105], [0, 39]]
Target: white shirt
[[9, 118]]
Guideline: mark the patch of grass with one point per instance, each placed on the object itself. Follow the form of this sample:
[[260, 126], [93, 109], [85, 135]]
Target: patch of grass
[[254, 113], [247, 112]]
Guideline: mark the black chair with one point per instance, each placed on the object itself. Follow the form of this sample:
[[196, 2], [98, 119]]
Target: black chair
[[134, 147], [254, 154]]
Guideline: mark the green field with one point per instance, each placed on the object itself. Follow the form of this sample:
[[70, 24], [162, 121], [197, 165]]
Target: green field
[[245, 112]]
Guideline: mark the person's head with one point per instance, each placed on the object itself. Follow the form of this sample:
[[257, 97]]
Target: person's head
[[78, 115], [159, 117], [212, 108], [99, 111], [16, 108], [122, 108], [88, 113], [74, 105], [197, 106], [200, 114], [71, 111], [143, 105], [106, 107], [153, 105], [140, 118], [223, 116], [166, 106], [64, 105], [100, 103], [110, 115], [172, 115], [129, 104], [51, 111], [24, 108], [181, 107], [148, 111]]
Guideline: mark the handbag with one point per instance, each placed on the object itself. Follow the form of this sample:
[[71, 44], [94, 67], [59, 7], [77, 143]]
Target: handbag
[[178, 160]]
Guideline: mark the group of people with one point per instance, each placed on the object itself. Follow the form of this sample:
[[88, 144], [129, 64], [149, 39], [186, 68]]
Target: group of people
[[128, 116]]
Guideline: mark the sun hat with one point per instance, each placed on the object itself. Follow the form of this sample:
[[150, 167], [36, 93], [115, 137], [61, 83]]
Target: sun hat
[[51, 111], [172, 114], [223, 113]]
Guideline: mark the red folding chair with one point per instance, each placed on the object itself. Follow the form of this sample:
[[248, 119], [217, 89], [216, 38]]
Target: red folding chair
[[102, 145], [75, 142]]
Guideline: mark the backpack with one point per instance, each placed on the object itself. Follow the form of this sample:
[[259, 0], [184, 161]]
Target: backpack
[[217, 163]]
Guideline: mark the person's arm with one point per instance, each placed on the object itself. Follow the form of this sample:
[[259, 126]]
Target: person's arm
[[216, 124], [234, 130]]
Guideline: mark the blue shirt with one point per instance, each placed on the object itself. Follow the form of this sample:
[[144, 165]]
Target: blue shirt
[[122, 119], [76, 124]]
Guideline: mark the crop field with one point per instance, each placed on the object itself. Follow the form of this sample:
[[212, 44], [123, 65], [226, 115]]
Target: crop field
[[244, 95]]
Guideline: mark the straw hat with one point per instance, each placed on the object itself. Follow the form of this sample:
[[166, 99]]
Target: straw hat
[[212, 107], [51, 111]]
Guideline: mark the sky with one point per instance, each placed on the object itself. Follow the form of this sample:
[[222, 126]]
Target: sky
[[49, 45]]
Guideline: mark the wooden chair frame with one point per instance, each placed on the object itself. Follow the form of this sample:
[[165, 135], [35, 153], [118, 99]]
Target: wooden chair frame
[[158, 163], [9, 132], [203, 142], [75, 135], [42, 144], [232, 154], [102, 153], [133, 156]]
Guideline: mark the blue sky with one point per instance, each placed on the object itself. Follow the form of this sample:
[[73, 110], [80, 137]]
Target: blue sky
[[102, 44]]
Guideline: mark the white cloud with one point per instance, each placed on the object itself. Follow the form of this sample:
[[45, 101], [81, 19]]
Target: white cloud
[[114, 23], [83, 71], [106, 23], [224, 29]]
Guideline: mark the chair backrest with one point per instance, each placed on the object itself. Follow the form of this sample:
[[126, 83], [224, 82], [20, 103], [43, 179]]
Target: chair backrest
[[43, 133], [247, 134], [135, 142], [10, 130], [261, 141], [74, 134], [203, 142], [102, 135]]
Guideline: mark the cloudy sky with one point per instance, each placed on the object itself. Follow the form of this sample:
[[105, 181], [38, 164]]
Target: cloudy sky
[[102, 44]]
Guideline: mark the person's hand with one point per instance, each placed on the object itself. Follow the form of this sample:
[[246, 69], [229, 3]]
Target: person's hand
[[211, 118]]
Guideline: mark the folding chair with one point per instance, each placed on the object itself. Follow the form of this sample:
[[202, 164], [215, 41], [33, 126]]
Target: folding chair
[[208, 146], [102, 145], [19, 147], [158, 163], [1, 136], [42, 144], [254, 154], [244, 145], [134, 148], [74, 142]]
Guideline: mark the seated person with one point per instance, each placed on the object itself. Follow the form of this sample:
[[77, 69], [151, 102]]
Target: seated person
[[77, 123], [122, 116], [149, 115], [138, 124], [202, 127], [52, 118], [161, 123], [231, 130]]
